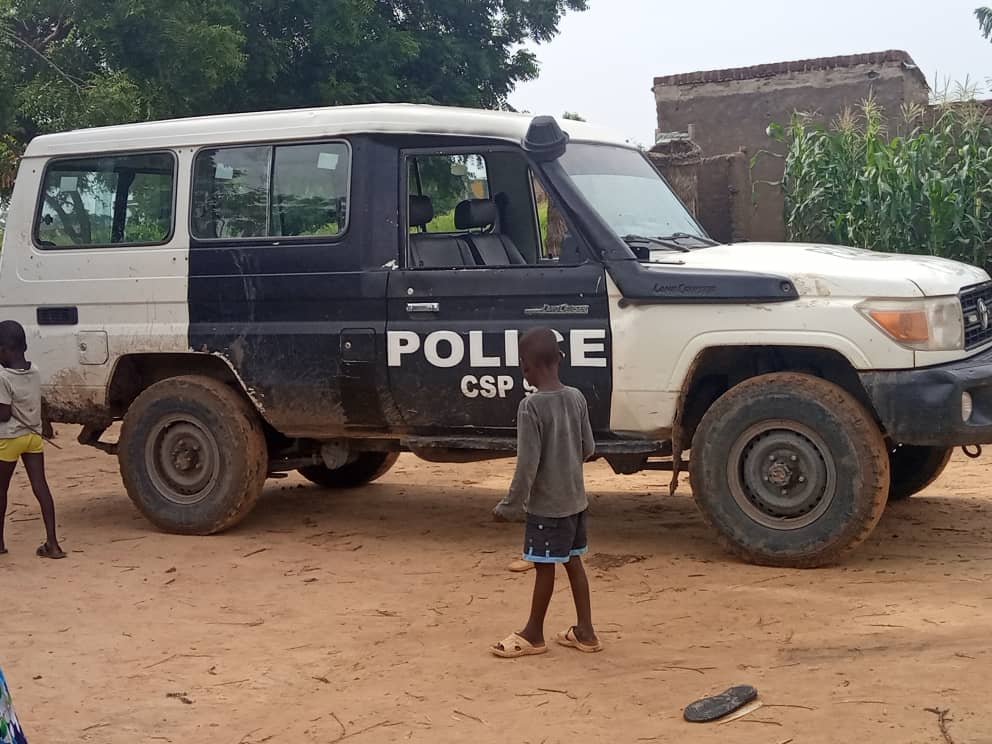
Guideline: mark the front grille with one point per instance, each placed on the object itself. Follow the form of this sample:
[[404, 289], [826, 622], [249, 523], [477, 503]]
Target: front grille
[[976, 305]]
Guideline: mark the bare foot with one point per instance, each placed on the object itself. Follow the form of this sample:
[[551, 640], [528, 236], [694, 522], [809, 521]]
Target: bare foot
[[535, 638]]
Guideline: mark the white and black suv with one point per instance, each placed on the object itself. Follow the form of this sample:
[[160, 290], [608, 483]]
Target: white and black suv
[[320, 290]]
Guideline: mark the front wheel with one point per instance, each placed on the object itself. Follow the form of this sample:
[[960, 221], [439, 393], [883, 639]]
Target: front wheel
[[915, 468], [192, 455], [790, 469], [365, 468]]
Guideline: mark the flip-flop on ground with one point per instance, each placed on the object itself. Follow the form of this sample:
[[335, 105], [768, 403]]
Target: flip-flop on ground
[[569, 639], [717, 706], [46, 551], [514, 646]]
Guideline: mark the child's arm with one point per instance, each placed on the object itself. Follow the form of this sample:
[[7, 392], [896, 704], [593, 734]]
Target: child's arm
[[528, 458], [6, 401], [588, 441]]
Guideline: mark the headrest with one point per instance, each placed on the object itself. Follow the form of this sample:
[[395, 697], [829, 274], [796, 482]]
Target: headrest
[[421, 210], [475, 213]]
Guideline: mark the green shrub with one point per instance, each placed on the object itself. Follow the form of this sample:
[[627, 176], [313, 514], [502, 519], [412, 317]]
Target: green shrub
[[926, 191]]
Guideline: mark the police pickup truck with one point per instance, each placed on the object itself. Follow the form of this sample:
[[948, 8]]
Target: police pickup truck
[[320, 290]]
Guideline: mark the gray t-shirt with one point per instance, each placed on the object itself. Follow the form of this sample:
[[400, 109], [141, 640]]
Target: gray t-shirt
[[554, 438], [21, 390]]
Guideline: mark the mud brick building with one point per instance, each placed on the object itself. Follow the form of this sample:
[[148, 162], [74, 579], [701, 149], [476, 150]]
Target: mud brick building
[[726, 112]]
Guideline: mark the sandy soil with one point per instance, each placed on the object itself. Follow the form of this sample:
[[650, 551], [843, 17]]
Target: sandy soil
[[365, 616]]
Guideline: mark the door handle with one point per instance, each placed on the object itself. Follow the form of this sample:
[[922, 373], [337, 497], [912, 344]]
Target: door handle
[[422, 307]]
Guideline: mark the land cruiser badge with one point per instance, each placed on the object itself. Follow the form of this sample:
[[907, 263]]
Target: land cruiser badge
[[562, 309]]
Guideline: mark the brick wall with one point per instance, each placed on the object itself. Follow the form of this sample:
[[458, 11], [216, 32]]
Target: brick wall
[[728, 112]]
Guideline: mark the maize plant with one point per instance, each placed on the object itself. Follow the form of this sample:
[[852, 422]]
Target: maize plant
[[927, 190]]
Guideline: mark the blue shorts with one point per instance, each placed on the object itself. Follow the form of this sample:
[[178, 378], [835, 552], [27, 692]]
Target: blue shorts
[[554, 539]]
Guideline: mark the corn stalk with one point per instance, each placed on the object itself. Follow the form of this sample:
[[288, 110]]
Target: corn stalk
[[927, 191]]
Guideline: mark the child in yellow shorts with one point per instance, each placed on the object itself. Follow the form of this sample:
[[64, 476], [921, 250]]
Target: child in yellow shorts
[[20, 431]]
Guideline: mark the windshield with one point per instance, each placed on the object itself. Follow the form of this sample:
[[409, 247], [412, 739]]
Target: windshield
[[627, 192]]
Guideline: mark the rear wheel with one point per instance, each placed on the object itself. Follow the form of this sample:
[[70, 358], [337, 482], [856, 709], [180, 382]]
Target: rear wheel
[[192, 455], [790, 469], [915, 468], [365, 468]]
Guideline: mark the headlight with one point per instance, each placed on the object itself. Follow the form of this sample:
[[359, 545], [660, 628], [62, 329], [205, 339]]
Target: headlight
[[932, 324]]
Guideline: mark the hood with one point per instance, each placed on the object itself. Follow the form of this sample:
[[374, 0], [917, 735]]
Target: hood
[[830, 270]]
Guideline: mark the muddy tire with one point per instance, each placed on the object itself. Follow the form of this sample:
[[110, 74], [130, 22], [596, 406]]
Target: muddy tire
[[915, 468], [367, 467], [192, 455], [790, 470]]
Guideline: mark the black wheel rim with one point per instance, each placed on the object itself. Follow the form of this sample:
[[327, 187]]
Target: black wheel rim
[[781, 474], [182, 459]]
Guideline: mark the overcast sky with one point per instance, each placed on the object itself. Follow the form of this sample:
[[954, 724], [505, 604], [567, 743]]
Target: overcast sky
[[604, 62]]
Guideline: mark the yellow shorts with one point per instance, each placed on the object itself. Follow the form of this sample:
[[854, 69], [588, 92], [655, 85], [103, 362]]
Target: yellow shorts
[[12, 449]]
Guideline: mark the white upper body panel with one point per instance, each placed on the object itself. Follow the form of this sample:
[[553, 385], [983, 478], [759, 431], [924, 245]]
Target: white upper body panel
[[306, 124], [837, 271]]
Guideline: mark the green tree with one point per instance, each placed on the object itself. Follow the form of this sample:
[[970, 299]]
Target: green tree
[[78, 63]]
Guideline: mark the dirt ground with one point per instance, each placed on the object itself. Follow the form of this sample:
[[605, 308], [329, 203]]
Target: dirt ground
[[365, 616]]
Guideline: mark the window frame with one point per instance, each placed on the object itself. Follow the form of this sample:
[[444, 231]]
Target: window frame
[[40, 201], [272, 240], [481, 149]]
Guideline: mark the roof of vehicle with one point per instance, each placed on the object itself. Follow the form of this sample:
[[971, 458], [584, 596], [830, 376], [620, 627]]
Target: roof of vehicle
[[293, 124]]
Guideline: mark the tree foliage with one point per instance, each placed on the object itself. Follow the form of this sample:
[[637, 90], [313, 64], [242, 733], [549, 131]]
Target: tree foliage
[[984, 16], [78, 63]]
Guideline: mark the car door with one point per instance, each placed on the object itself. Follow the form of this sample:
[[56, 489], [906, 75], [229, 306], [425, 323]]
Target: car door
[[286, 283], [452, 331]]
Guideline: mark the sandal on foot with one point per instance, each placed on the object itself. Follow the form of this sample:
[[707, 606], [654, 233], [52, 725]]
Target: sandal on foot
[[568, 638], [717, 706], [520, 565], [44, 551], [515, 646]]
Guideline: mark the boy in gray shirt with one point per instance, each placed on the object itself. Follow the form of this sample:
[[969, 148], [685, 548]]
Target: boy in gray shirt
[[554, 438]]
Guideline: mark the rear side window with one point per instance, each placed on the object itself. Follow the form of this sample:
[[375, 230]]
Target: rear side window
[[271, 191], [107, 200]]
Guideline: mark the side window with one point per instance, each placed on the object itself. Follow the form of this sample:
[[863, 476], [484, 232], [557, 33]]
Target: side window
[[271, 191], [447, 180], [109, 200], [231, 193], [310, 190]]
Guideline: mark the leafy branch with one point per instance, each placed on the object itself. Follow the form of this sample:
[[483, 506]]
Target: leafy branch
[[984, 16], [12, 37]]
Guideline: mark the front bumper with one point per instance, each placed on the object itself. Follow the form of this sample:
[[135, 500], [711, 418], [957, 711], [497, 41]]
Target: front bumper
[[923, 406]]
